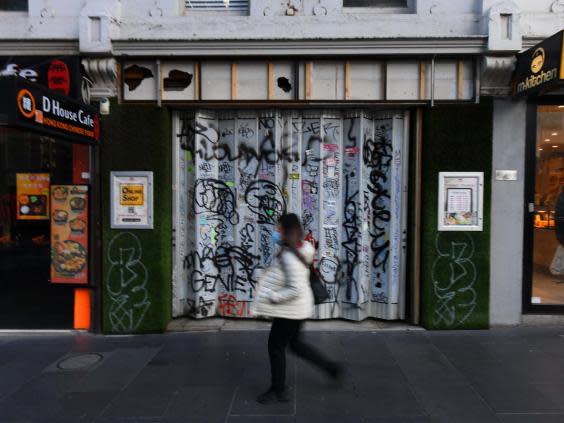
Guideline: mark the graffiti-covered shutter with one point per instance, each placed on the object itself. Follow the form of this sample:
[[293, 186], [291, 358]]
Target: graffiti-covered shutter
[[238, 172]]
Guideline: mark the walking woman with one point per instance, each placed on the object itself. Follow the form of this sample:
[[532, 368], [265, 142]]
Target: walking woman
[[285, 294]]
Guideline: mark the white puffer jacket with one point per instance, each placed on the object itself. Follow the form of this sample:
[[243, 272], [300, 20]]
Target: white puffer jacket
[[284, 290]]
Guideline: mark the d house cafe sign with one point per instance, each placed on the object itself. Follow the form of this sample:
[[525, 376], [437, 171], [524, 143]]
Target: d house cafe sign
[[28, 105], [540, 68]]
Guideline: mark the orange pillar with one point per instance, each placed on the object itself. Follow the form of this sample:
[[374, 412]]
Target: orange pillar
[[82, 308]]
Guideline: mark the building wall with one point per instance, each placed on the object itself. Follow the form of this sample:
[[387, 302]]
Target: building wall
[[455, 266], [508, 198], [137, 264], [106, 28], [323, 19]]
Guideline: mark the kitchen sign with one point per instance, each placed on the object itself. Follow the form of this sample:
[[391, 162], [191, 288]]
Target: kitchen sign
[[132, 200], [541, 67], [34, 107]]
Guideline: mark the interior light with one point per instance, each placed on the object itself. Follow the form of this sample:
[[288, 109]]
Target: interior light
[[561, 107], [547, 139], [540, 149], [554, 146], [554, 134]]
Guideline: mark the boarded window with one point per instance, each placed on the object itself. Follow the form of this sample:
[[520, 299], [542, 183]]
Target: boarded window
[[375, 3], [13, 5], [218, 5]]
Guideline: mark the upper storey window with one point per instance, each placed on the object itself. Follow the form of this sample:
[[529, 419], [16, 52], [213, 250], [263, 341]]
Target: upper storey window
[[234, 6], [379, 6], [13, 5], [375, 3]]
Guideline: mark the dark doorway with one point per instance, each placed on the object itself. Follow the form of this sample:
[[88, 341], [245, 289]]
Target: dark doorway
[[28, 300]]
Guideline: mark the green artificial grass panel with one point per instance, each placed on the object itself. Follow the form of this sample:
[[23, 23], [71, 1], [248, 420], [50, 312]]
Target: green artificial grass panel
[[137, 263], [455, 266]]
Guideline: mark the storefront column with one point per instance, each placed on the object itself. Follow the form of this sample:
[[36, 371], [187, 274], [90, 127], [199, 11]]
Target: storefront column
[[509, 126], [81, 175]]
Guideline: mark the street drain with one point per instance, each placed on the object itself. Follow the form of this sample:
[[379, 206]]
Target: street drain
[[81, 361]]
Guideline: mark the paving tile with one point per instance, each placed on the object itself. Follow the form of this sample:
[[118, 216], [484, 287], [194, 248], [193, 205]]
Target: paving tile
[[366, 375], [397, 419], [457, 403], [323, 401], [515, 398], [116, 372], [517, 351], [434, 371], [33, 410], [531, 418], [39, 398], [84, 405], [261, 419], [159, 378], [537, 370], [245, 404], [553, 391], [126, 420], [460, 349], [139, 403], [20, 370], [388, 400], [211, 373], [200, 403], [488, 372]]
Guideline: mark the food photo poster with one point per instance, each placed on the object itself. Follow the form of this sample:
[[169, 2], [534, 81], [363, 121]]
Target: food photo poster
[[32, 193], [69, 234]]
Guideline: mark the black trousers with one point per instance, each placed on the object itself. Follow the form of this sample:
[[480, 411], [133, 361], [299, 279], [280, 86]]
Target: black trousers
[[286, 332]]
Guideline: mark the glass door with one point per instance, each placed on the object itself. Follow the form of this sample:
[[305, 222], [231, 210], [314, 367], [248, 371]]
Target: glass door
[[547, 267]]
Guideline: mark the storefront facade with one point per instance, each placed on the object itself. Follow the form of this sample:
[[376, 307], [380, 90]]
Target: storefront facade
[[332, 140], [349, 116], [48, 222], [539, 77]]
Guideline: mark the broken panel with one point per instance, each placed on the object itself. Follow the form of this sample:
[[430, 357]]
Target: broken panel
[[140, 81]]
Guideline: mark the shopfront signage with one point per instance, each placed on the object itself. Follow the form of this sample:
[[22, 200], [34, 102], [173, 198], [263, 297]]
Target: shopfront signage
[[32, 196], [541, 67], [32, 106], [132, 200], [461, 196], [59, 74], [69, 234]]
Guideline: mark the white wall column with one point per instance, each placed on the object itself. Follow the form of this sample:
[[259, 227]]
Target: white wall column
[[509, 129]]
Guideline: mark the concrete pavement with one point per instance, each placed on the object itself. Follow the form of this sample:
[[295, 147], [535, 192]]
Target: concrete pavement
[[501, 375]]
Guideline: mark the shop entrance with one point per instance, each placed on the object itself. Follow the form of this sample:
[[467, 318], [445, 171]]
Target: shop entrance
[[547, 287], [344, 173], [28, 300]]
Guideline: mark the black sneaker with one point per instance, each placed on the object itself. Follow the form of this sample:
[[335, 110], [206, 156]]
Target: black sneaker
[[272, 397]]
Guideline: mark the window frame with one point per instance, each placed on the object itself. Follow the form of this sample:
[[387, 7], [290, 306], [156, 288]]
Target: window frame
[[24, 10], [379, 10], [223, 12]]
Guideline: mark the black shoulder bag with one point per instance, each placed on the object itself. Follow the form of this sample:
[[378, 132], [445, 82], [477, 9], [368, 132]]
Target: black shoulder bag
[[320, 294]]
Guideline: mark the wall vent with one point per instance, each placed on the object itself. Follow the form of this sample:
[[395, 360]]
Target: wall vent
[[218, 5]]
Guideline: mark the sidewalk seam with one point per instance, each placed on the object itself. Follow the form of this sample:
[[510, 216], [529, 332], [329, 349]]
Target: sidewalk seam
[[406, 379], [468, 381]]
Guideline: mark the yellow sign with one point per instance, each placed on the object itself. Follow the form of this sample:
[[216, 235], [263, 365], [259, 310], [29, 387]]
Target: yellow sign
[[538, 60], [132, 195], [32, 192]]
